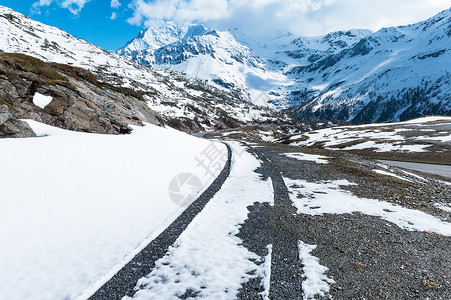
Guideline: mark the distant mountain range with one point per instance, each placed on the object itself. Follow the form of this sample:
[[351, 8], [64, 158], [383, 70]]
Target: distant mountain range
[[211, 56], [360, 76]]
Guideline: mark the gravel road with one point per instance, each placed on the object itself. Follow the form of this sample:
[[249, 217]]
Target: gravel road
[[367, 257]]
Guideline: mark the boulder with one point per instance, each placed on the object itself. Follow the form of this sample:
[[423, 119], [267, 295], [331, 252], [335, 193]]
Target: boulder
[[14, 128], [5, 114], [10, 127]]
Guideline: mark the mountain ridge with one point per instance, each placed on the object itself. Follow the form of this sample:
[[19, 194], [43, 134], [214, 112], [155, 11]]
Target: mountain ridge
[[337, 76]]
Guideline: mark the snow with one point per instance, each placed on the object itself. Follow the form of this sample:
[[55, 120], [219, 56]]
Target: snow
[[226, 134], [405, 137], [383, 166], [444, 138], [76, 207], [48, 43], [319, 159], [41, 100], [395, 61], [398, 59], [414, 175], [317, 198], [152, 39], [382, 172], [218, 56], [316, 282], [444, 206], [387, 147], [208, 258], [410, 174], [417, 121], [266, 268]]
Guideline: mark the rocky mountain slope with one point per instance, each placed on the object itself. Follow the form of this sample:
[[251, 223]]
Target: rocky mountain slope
[[87, 78], [393, 74], [11, 127], [211, 56], [75, 99]]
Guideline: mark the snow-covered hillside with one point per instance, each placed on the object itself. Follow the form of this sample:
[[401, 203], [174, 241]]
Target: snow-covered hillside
[[76, 207], [185, 103], [21, 34], [427, 138], [357, 75], [393, 74], [212, 56]]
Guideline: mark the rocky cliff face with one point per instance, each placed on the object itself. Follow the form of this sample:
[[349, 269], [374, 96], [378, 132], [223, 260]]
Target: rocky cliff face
[[78, 101]]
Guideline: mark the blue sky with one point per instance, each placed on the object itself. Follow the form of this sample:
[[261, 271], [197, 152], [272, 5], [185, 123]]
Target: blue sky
[[111, 23], [92, 23]]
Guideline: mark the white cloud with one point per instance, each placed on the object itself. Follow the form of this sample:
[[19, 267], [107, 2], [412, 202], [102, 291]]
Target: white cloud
[[113, 16], [178, 10], [43, 3], [35, 8], [74, 6], [115, 4], [302, 17]]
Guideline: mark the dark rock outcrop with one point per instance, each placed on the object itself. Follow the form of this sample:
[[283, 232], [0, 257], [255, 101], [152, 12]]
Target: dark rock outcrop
[[79, 103], [10, 127]]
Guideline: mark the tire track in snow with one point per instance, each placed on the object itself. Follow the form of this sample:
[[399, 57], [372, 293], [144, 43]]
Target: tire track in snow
[[123, 283], [277, 226]]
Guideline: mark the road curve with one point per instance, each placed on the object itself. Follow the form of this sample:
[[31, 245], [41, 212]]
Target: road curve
[[123, 283]]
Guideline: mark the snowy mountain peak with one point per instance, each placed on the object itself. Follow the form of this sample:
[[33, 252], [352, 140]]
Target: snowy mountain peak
[[195, 30], [201, 53], [155, 37], [314, 47], [396, 73]]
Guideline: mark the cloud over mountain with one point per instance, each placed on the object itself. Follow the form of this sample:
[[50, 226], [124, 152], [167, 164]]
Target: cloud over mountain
[[302, 17]]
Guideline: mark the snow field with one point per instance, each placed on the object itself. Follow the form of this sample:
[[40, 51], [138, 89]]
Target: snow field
[[376, 136], [319, 159], [328, 197], [266, 268], [41, 100], [382, 172], [316, 282], [76, 207]]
